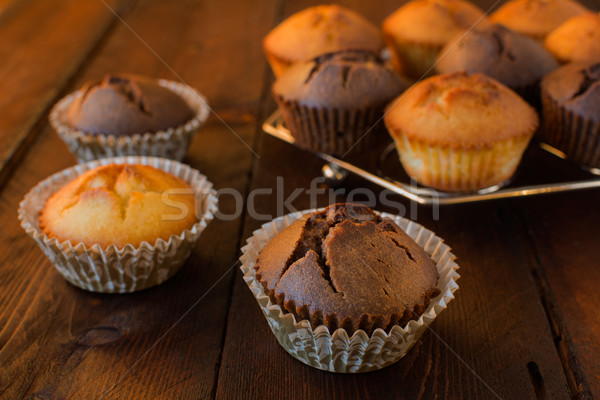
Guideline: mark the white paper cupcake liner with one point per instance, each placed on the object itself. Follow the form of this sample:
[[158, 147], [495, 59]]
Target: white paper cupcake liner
[[339, 352], [172, 143], [465, 170], [114, 270]]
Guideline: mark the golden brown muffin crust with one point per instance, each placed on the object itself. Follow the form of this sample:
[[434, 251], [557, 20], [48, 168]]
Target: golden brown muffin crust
[[319, 30], [460, 110], [577, 39], [536, 18], [118, 205], [433, 22], [346, 267]]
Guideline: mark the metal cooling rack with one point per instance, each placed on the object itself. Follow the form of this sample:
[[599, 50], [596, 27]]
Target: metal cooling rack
[[390, 175]]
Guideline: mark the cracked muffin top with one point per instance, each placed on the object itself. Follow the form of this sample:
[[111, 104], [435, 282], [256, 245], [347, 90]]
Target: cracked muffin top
[[513, 59], [352, 79], [346, 267], [576, 87], [127, 105], [119, 205], [460, 110]]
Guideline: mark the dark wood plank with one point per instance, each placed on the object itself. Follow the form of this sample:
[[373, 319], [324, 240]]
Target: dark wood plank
[[593, 5], [57, 341], [43, 44], [564, 232]]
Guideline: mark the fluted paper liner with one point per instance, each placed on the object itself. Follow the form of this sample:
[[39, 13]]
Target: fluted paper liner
[[172, 143], [338, 352], [461, 170], [577, 137], [331, 130], [412, 58], [114, 270]]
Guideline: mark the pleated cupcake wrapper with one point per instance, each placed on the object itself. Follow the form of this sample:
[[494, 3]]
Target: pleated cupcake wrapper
[[114, 270], [577, 137], [172, 143], [413, 59], [331, 130], [531, 93], [461, 170], [338, 352]]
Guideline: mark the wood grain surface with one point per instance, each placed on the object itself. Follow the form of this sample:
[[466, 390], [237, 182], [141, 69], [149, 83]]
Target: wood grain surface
[[43, 44], [564, 234], [524, 323]]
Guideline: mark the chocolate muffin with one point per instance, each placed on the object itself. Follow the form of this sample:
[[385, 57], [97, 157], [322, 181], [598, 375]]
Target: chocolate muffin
[[332, 103], [570, 99], [513, 59], [346, 267], [126, 105]]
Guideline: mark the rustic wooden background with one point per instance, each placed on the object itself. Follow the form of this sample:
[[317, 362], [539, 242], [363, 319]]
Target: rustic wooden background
[[524, 325]]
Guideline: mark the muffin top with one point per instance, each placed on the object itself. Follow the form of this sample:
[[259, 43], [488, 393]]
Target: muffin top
[[576, 87], [433, 22], [346, 267], [577, 39], [536, 18], [119, 205], [321, 29], [351, 79], [460, 110], [511, 58], [125, 105]]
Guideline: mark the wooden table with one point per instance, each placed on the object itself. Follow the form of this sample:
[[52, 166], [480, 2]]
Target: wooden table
[[524, 325]]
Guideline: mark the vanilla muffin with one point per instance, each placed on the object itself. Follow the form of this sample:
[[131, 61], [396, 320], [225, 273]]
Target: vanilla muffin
[[318, 30], [119, 205], [460, 132], [417, 31], [577, 39], [536, 18]]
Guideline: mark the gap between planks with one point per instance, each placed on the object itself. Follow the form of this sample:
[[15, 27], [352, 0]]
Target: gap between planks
[[565, 347], [263, 111]]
